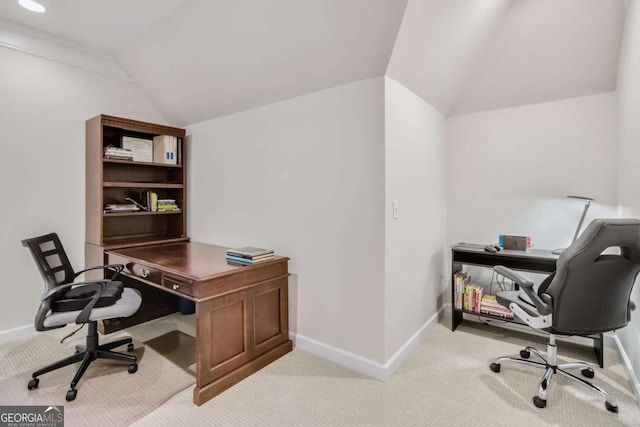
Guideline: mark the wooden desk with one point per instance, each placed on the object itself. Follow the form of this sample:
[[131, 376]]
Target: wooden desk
[[533, 260], [241, 311]]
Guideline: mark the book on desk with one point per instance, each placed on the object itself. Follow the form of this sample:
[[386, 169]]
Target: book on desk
[[249, 255]]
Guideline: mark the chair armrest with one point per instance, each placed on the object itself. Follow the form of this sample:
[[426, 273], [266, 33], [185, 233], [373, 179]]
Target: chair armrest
[[527, 287], [117, 268]]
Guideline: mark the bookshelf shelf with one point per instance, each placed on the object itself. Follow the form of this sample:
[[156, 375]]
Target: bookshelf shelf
[[135, 163], [490, 316], [142, 185], [129, 241], [140, 213]]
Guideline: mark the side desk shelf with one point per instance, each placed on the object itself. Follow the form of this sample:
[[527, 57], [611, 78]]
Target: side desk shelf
[[532, 260]]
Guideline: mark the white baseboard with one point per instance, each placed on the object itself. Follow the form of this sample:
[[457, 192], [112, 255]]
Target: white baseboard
[[21, 332], [634, 383], [361, 364]]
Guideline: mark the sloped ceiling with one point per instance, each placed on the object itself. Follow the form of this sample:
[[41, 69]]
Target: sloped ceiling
[[439, 44], [546, 50], [218, 57], [201, 59]]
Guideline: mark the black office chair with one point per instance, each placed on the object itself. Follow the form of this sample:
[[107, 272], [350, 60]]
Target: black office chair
[[65, 301], [588, 294]]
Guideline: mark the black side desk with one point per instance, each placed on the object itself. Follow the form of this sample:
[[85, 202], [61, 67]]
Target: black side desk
[[533, 260]]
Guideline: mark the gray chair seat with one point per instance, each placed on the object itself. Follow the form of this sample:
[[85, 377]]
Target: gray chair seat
[[127, 305]]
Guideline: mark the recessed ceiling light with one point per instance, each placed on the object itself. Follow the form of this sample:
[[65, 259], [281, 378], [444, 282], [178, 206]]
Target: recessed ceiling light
[[31, 5]]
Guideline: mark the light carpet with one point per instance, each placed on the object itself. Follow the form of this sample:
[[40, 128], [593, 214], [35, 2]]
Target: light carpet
[[445, 382], [107, 394]]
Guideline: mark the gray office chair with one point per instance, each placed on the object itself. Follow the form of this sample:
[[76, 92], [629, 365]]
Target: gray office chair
[[588, 294], [65, 301]]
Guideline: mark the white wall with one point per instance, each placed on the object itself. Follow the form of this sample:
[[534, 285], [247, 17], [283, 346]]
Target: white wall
[[628, 91], [509, 170], [43, 108], [304, 176], [414, 242]]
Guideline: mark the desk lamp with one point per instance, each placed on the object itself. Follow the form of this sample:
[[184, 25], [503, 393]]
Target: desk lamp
[[587, 203]]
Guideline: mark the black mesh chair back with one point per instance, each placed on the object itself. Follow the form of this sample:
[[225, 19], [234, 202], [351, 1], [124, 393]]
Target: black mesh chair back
[[54, 266], [594, 278]]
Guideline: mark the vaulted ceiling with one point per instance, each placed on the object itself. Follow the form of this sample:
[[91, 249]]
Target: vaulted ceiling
[[200, 59]]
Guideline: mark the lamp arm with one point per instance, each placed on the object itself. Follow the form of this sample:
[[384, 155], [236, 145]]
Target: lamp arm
[[584, 213]]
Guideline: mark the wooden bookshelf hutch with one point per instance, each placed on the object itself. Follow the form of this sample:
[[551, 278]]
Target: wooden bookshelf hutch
[[111, 181]]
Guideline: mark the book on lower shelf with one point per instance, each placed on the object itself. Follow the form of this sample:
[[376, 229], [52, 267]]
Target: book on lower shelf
[[469, 296], [490, 305], [249, 255], [164, 205], [120, 208]]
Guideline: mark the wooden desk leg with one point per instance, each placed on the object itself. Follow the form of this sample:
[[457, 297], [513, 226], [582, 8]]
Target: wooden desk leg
[[598, 348]]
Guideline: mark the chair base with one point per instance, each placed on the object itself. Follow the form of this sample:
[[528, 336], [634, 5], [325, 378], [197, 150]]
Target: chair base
[[551, 367], [88, 354]]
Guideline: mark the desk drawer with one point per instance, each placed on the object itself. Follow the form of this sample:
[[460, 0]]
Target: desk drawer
[[137, 269], [178, 284]]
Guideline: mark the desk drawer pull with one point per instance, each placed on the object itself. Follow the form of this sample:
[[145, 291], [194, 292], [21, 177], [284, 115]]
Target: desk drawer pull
[[178, 285], [144, 272]]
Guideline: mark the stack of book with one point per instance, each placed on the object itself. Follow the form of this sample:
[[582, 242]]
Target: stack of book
[[117, 153], [167, 205], [467, 296], [121, 207], [460, 283], [490, 305], [248, 255]]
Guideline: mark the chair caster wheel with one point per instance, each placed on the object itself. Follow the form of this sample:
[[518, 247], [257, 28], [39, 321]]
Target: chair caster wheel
[[495, 367], [525, 354], [611, 407], [71, 394], [130, 347], [588, 372], [33, 383], [540, 403], [133, 368]]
